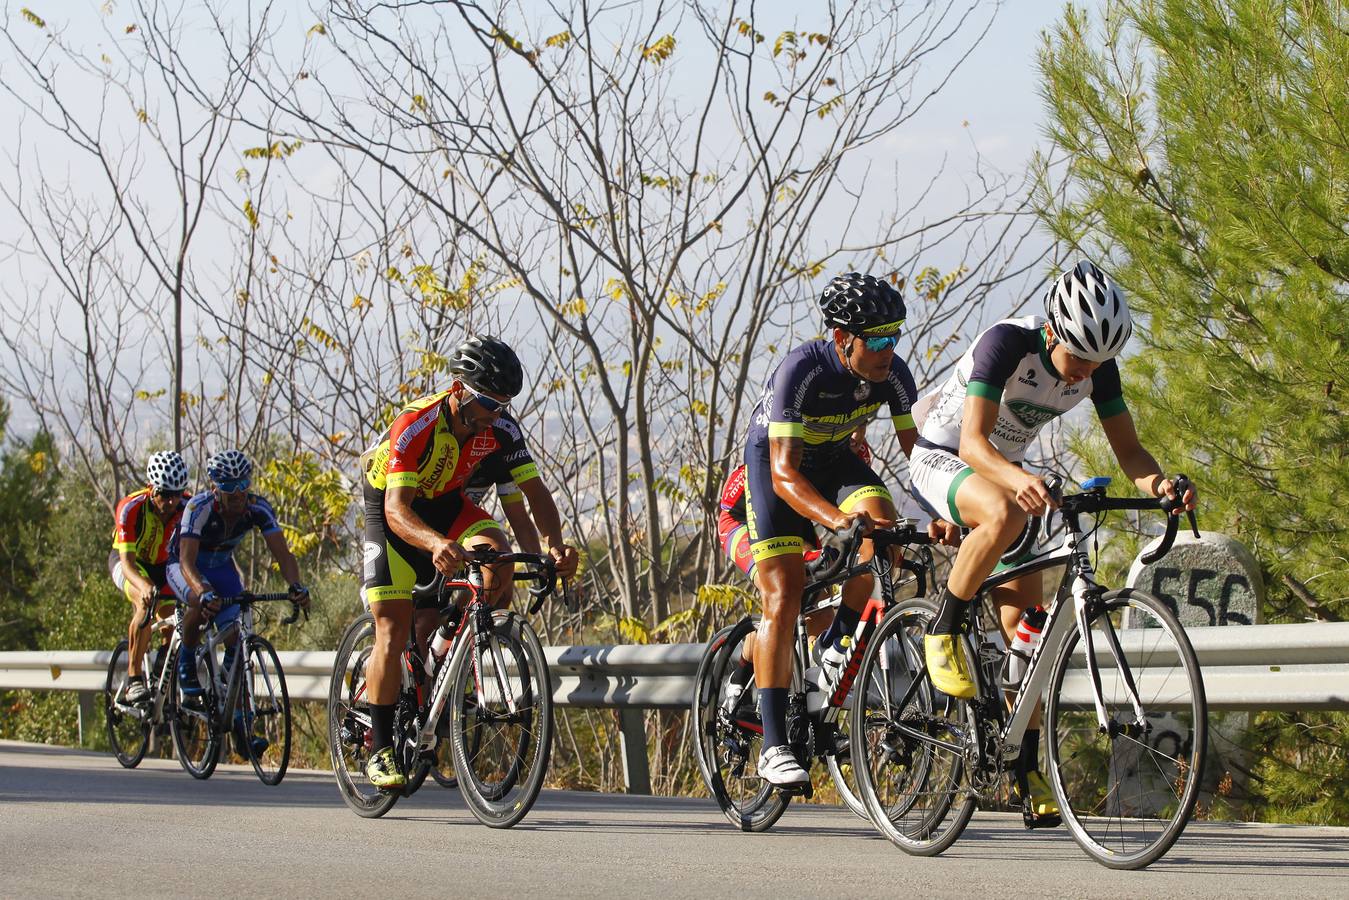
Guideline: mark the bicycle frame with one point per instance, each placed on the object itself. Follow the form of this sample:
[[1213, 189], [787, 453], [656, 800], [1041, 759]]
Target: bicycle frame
[[161, 686]]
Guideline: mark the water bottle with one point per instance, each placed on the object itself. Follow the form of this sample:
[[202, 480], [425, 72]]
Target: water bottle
[[1024, 642], [440, 645]]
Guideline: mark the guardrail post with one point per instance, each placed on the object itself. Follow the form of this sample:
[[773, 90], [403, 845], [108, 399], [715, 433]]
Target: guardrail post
[[632, 731], [85, 720]]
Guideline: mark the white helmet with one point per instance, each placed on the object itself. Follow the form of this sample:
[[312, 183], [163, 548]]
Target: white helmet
[[166, 471], [1088, 313], [228, 465]]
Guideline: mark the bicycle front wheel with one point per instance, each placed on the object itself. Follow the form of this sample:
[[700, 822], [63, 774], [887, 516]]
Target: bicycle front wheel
[[1127, 792], [909, 741], [266, 710], [501, 720], [128, 726], [196, 734], [349, 737]]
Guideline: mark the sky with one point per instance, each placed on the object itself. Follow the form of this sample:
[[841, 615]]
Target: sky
[[991, 106]]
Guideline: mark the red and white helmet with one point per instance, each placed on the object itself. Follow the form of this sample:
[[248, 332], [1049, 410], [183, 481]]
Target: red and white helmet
[[1088, 313]]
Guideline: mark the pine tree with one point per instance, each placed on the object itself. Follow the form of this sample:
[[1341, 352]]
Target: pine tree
[[1207, 167]]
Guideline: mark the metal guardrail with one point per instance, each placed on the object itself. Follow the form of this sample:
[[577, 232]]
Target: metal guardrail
[[1248, 667]]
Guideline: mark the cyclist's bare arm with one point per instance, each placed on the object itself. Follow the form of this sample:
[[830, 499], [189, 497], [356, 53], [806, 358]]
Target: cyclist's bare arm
[[784, 459], [285, 560], [145, 588], [522, 526], [543, 509], [1137, 462], [445, 553], [187, 564], [980, 416]]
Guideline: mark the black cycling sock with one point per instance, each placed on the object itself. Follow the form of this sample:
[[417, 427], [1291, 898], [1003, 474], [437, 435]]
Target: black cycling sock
[[743, 672], [381, 726], [950, 613], [844, 625], [1029, 760], [773, 713]]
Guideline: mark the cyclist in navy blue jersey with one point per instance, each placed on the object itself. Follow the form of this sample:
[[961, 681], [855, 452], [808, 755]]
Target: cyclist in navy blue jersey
[[201, 567], [800, 470]]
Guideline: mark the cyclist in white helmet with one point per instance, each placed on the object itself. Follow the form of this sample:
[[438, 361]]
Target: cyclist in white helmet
[[145, 521], [1019, 375]]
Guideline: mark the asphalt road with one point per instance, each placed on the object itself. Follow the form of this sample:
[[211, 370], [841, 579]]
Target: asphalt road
[[75, 824]]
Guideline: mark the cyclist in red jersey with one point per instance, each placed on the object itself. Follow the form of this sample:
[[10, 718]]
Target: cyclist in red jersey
[[145, 521], [418, 520]]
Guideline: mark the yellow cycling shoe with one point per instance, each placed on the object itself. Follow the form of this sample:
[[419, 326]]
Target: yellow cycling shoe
[[946, 665], [1042, 802], [383, 772]]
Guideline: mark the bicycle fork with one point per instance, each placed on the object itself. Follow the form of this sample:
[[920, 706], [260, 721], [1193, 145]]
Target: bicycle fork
[[1086, 602]]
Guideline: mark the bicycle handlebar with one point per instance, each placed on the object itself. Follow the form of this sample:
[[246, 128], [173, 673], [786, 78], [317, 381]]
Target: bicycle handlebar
[[1182, 484], [849, 541], [545, 579], [1031, 533]]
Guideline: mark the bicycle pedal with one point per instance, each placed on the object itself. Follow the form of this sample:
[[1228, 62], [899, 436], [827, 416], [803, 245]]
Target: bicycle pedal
[[1034, 822], [806, 790]]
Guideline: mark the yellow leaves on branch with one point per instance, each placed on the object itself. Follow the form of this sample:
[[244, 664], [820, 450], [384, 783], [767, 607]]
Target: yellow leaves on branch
[[251, 215], [575, 308], [274, 150], [37, 461], [313, 499], [829, 106], [660, 51], [747, 30], [317, 28], [616, 289], [142, 116], [931, 284], [561, 39], [33, 17], [150, 395], [318, 335]]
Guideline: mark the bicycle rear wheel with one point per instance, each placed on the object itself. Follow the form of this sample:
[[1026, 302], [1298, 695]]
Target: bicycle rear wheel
[[1127, 793], [196, 734], [501, 721], [349, 722], [266, 709], [909, 741], [727, 747], [128, 726]]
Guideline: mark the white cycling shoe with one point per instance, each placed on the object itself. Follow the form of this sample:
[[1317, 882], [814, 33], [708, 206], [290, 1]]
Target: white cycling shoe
[[778, 766]]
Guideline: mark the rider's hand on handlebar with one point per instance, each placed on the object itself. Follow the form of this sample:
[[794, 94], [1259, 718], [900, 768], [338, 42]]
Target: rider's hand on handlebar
[[567, 560], [944, 532], [1167, 488], [1033, 496], [145, 598], [846, 520], [210, 603], [299, 595], [449, 557]]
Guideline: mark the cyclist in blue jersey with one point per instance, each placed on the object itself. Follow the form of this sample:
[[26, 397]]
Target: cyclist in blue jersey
[[1019, 375], [201, 567], [800, 470]]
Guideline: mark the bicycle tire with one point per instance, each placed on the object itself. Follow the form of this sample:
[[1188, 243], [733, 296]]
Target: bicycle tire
[[442, 769], [1131, 816], [912, 786], [128, 734], [501, 787], [349, 722], [725, 751], [196, 734], [842, 771], [266, 709]]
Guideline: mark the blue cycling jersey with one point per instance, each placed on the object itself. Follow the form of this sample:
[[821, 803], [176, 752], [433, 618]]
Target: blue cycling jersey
[[813, 397], [203, 521]]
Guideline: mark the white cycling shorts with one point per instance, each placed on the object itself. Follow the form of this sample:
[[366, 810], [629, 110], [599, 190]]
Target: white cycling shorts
[[937, 475]]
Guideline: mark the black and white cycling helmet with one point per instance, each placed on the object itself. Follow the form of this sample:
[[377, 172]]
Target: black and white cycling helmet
[[862, 304], [166, 471], [1088, 313], [487, 364], [229, 465]]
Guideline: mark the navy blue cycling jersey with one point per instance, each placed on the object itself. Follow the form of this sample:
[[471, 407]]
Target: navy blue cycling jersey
[[201, 520], [813, 397]]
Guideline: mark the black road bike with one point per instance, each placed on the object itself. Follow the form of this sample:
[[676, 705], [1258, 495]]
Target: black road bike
[[729, 737]]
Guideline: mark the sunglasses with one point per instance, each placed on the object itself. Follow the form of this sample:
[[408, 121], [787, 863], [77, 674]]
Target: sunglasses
[[877, 344], [491, 404], [171, 495], [233, 487]]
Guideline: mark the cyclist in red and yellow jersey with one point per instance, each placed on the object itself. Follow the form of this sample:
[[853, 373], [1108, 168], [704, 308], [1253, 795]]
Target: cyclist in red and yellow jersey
[[418, 519], [145, 521]]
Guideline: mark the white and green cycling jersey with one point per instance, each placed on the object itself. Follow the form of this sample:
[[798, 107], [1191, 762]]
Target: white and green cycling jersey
[[1009, 364]]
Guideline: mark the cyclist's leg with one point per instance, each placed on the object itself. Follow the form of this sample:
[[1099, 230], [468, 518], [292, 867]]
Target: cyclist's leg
[[855, 486], [776, 544], [476, 530], [138, 638]]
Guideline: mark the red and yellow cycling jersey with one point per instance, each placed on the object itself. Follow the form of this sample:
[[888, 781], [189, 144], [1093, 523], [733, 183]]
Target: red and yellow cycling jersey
[[140, 530], [420, 451]]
